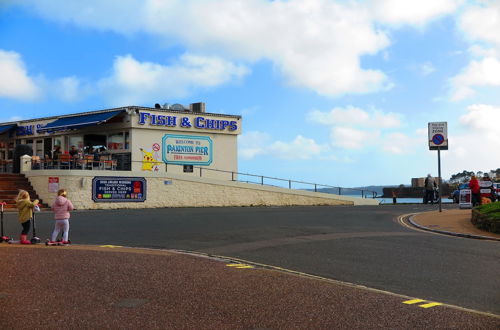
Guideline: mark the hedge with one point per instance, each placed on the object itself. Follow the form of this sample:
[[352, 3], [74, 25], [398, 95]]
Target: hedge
[[487, 217]]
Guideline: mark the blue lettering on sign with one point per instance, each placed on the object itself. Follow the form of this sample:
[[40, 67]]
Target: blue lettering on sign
[[143, 116], [24, 130], [161, 120], [171, 121], [220, 125], [185, 122], [199, 122]]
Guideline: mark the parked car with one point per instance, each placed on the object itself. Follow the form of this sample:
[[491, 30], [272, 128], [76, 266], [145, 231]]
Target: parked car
[[456, 194]]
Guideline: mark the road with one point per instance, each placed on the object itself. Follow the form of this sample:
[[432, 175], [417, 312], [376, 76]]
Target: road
[[361, 245]]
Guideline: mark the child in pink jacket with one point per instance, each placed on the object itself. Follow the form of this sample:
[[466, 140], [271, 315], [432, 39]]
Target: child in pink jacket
[[61, 207]]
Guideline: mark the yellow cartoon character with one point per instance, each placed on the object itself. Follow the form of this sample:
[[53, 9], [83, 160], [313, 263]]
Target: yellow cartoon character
[[149, 162]]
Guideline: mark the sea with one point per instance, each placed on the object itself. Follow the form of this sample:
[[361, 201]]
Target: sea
[[388, 200]]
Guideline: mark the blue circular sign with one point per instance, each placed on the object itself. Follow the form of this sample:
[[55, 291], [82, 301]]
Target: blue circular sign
[[438, 139]]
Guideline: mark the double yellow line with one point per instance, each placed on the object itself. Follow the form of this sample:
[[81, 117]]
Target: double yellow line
[[418, 301]]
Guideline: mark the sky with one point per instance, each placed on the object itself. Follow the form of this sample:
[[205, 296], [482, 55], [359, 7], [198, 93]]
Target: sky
[[331, 92]]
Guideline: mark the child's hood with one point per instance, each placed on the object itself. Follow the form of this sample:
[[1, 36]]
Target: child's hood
[[61, 200]]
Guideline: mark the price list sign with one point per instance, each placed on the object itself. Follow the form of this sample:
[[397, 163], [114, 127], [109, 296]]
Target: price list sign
[[115, 189]]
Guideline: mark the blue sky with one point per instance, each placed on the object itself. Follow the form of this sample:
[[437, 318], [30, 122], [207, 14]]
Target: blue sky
[[332, 92]]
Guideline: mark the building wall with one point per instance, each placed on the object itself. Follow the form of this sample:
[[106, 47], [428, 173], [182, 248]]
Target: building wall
[[179, 190], [147, 143]]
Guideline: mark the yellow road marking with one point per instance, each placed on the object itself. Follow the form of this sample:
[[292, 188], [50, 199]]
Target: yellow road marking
[[429, 305], [414, 301], [239, 266], [111, 246]]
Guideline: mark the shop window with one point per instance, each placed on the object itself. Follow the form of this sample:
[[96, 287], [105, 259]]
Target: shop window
[[127, 138], [77, 141], [116, 141], [39, 148]]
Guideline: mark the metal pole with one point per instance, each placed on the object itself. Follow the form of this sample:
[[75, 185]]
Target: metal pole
[[439, 178]]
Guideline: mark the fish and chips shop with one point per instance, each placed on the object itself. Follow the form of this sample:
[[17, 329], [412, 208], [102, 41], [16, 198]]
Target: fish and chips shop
[[173, 138]]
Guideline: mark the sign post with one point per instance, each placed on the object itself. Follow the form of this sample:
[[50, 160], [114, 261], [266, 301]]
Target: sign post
[[438, 140]]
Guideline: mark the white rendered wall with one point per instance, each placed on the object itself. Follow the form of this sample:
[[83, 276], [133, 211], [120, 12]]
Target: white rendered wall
[[179, 190]]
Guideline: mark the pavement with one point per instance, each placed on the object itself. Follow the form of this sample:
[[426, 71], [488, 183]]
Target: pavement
[[455, 222], [104, 287]]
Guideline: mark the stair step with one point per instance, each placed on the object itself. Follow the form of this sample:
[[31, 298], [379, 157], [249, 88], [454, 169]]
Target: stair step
[[10, 184]]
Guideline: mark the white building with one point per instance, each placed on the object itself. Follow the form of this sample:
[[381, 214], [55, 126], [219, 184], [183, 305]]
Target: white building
[[173, 139]]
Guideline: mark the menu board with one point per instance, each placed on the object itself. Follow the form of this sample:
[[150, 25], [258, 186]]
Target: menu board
[[115, 189]]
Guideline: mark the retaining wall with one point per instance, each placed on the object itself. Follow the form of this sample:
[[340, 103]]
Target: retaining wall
[[177, 190]]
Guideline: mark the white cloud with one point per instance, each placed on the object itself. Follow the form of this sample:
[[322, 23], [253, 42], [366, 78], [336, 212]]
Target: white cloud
[[14, 80], [317, 44], [300, 148], [399, 143], [69, 89], [355, 117], [253, 144], [485, 72], [412, 12], [482, 22], [427, 68], [135, 82], [480, 117], [351, 138], [354, 128], [477, 148]]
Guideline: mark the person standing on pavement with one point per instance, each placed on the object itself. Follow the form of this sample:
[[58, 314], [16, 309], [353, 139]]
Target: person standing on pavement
[[61, 207], [475, 190], [430, 185], [25, 212]]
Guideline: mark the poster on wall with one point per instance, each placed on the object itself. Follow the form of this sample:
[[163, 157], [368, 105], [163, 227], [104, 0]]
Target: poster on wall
[[187, 149], [53, 184], [115, 189]]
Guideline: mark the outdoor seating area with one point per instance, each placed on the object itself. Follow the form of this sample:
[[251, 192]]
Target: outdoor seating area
[[77, 162], [6, 165]]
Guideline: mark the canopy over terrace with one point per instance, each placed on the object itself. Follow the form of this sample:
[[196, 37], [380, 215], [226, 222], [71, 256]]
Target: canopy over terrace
[[80, 121], [6, 128]]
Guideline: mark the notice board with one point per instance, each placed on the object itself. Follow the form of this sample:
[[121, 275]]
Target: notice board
[[116, 189]]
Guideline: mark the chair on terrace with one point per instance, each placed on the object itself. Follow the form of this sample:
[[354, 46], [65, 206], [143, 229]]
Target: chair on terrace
[[65, 161], [88, 162], [109, 164], [36, 163]]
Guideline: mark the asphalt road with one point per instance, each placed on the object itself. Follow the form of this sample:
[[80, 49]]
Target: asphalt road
[[361, 245]]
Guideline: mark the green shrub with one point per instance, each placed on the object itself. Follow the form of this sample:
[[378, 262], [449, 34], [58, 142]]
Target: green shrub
[[487, 217]]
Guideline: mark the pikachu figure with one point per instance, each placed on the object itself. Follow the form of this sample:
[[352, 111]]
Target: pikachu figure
[[149, 162]]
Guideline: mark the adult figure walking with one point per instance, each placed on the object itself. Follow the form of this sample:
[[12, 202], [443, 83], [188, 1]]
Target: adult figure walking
[[430, 186], [475, 190]]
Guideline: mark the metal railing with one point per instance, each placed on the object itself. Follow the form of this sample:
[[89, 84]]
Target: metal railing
[[284, 183], [263, 180]]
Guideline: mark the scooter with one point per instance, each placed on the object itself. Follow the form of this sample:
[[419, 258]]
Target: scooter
[[35, 239], [4, 238]]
